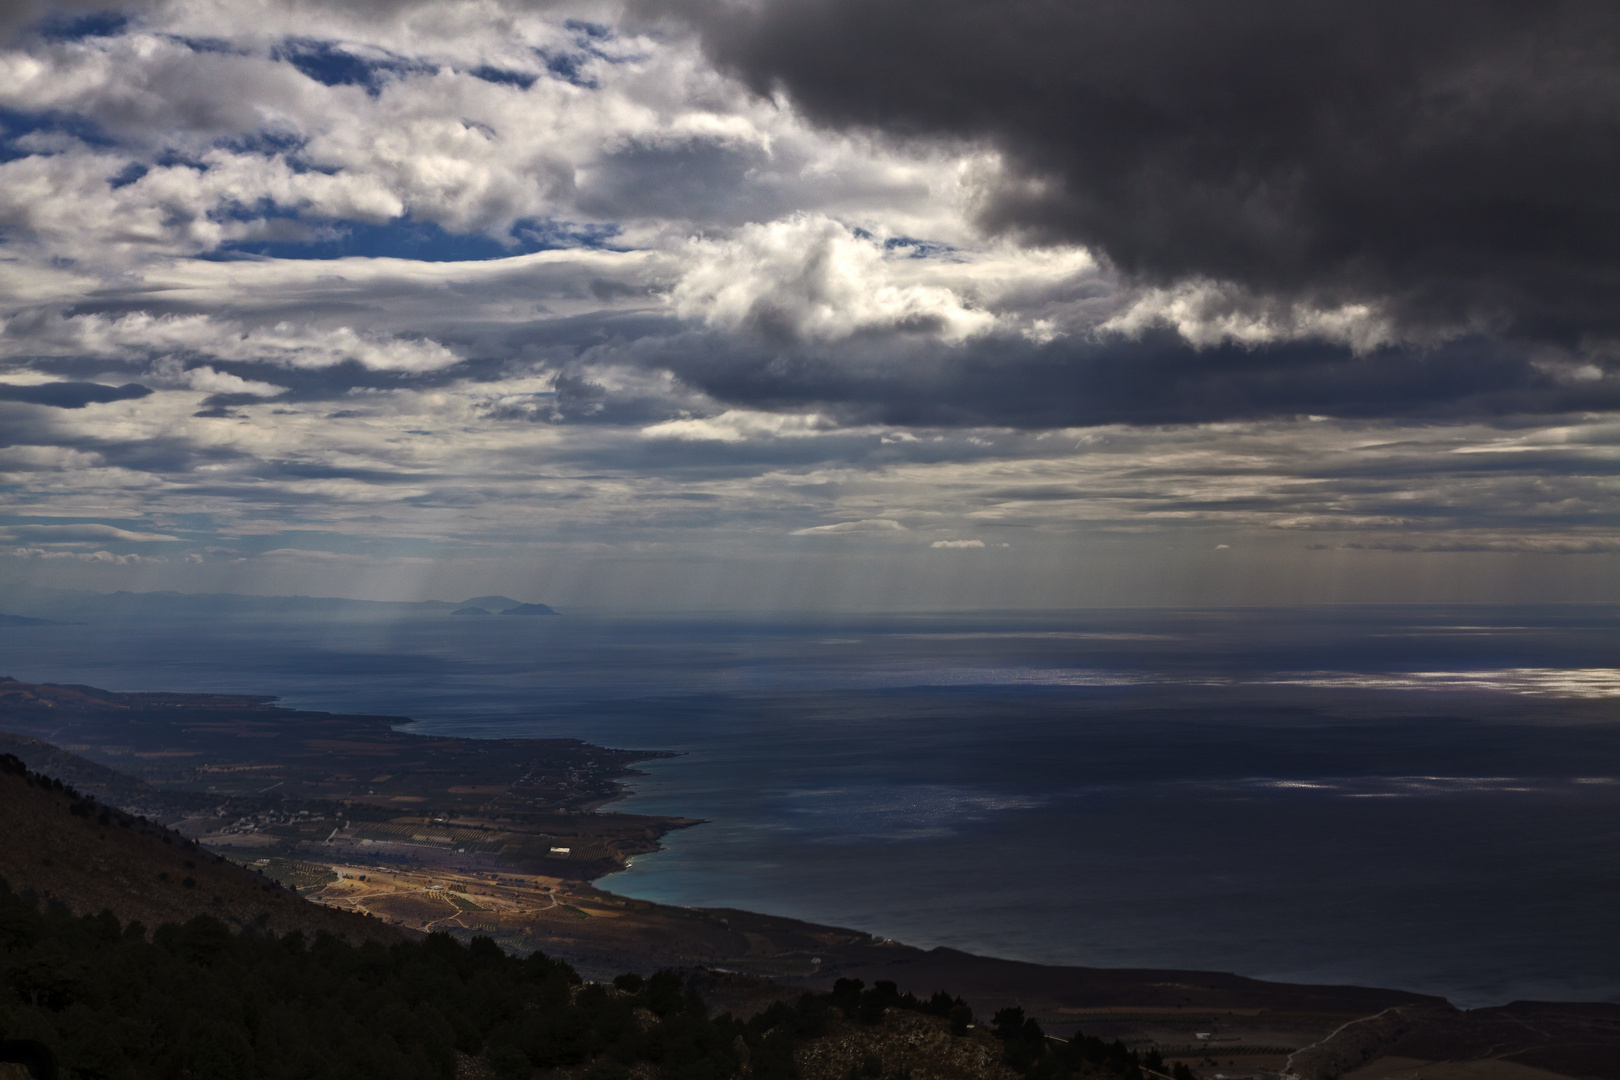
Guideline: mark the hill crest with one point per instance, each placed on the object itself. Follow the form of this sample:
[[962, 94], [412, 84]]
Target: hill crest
[[92, 857]]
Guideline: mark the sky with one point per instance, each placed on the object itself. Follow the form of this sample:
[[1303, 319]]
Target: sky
[[812, 304]]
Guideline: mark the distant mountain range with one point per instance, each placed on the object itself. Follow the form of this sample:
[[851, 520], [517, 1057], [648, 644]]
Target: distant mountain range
[[39, 607], [23, 620]]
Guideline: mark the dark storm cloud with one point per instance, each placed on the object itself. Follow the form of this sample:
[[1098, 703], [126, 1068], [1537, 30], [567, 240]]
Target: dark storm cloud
[[70, 395], [306, 470], [1457, 159], [1154, 380], [698, 180], [60, 19], [169, 456]]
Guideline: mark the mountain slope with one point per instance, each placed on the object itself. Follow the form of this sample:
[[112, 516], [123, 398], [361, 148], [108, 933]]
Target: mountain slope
[[91, 857]]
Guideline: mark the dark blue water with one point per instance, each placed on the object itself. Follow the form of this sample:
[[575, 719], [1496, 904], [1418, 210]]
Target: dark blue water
[[1418, 797]]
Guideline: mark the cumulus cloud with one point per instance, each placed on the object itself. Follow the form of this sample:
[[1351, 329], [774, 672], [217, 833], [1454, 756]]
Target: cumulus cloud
[[105, 558], [878, 526], [735, 426], [811, 277], [210, 381], [1206, 314], [957, 545], [70, 534]]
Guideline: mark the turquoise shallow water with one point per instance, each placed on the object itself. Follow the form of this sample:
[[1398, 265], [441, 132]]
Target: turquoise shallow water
[[1411, 797]]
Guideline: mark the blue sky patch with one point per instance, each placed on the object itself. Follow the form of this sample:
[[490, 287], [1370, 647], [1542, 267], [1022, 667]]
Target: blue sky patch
[[505, 77], [171, 158], [330, 64], [568, 67], [551, 235], [264, 142], [15, 125], [589, 30], [920, 249], [127, 175], [259, 210], [218, 46], [78, 27], [420, 240]]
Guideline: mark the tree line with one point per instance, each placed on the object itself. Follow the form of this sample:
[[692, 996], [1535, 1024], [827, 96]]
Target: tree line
[[89, 997]]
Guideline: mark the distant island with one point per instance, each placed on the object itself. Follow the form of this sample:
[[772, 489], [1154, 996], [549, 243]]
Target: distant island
[[23, 620], [41, 607]]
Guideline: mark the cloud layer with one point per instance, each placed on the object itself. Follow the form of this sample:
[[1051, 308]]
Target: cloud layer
[[807, 301]]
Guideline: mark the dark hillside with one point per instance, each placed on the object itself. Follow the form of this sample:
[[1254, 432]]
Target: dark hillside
[[98, 999], [89, 778], [90, 857]]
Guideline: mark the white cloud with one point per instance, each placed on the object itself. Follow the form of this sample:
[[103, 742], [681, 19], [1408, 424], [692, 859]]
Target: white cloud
[[957, 544], [880, 526], [210, 381], [812, 277], [104, 557], [286, 343], [736, 425], [69, 534], [433, 141], [1209, 313]]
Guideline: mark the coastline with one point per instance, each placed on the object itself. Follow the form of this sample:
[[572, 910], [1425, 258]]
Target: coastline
[[509, 837], [521, 822]]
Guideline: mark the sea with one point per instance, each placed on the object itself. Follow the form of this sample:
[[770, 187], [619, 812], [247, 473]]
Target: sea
[[1424, 798]]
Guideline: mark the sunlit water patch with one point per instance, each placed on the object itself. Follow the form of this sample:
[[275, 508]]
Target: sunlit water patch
[[1548, 682]]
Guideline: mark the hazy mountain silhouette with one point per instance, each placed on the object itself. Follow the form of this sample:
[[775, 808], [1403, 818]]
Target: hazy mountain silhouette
[[49, 605], [492, 603], [529, 609]]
